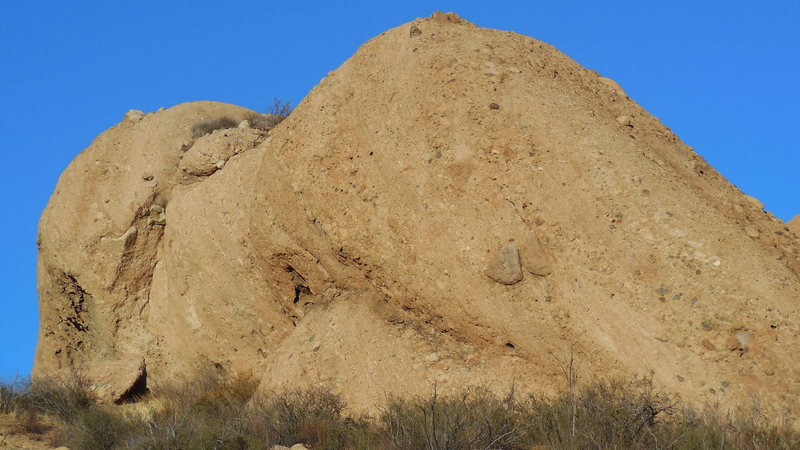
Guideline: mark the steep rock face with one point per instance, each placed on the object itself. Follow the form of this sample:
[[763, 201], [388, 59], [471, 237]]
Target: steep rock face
[[354, 245], [101, 235]]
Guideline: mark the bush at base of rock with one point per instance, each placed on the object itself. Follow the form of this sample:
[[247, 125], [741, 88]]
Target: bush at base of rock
[[211, 413]]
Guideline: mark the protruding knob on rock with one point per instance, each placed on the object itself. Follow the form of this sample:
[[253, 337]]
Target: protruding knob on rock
[[534, 257], [505, 268], [448, 17], [755, 202], [134, 115], [157, 215]]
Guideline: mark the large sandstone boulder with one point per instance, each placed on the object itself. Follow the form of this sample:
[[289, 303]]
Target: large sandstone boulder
[[349, 245], [102, 232]]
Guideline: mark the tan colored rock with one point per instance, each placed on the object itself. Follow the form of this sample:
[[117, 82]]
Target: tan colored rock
[[122, 243], [741, 336], [613, 86], [157, 215], [754, 202], [794, 225], [111, 381], [732, 343], [99, 239], [209, 153], [625, 120], [118, 380], [447, 18], [134, 115], [534, 257], [708, 345], [505, 267], [349, 242]]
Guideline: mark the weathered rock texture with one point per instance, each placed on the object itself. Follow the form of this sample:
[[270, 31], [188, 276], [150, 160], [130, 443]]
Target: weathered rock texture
[[794, 225], [349, 245]]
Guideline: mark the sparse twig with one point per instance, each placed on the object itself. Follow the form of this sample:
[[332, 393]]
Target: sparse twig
[[280, 108]]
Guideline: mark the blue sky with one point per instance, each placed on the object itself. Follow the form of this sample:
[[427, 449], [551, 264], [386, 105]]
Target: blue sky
[[722, 74]]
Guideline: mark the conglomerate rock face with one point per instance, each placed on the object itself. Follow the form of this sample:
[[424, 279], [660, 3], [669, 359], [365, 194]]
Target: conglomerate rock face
[[454, 205]]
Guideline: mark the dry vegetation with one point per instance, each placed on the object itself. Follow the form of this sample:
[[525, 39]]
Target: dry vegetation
[[204, 128], [276, 113], [214, 414], [279, 108]]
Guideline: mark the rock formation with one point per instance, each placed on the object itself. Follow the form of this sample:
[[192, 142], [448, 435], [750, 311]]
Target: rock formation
[[453, 205], [794, 225]]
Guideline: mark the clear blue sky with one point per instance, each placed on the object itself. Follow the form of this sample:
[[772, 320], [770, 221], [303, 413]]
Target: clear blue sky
[[722, 74]]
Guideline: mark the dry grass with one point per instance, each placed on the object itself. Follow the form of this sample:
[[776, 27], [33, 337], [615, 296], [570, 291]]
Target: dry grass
[[265, 122], [224, 414], [15, 401], [473, 419], [11, 394], [60, 397], [202, 129], [275, 114]]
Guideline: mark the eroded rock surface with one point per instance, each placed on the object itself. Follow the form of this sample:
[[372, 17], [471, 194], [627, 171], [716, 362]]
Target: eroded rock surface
[[118, 380], [348, 246]]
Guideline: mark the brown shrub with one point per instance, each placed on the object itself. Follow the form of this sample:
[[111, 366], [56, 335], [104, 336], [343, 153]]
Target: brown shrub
[[475, 418], [204, 128], [12, 395], [211, 412], [61, 396], [280, 108]]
